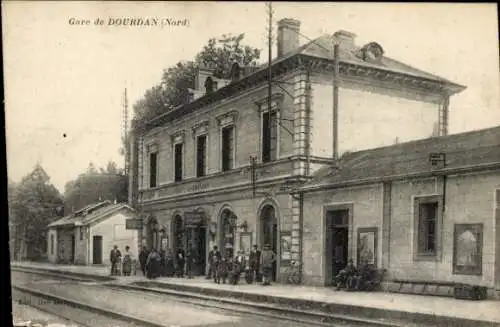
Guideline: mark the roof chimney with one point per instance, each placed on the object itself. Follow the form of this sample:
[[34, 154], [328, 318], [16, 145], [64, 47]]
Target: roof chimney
[[288, 35], [345, 38]]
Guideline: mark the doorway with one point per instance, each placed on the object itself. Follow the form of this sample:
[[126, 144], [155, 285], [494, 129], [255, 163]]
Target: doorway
[[97, 250], [73, 249], [177, 233], [337, 243], [269, 232], [153, 239], [197, 241]]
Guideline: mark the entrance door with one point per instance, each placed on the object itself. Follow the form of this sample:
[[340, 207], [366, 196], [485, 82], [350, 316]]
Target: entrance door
[[202, 249], [269, 230], [73, 248], [97, 250], [337, 243]]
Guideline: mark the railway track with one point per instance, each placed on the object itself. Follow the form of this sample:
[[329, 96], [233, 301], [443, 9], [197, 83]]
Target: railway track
[[264, 312]]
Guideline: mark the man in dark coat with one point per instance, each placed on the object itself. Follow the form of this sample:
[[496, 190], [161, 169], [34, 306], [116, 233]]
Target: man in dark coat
[[114, 257], [180, 260], [214, 257], [143, 257], [153, 264], [254, 263]]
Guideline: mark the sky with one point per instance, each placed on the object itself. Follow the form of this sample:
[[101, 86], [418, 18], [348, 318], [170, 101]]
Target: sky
[[64, 83]]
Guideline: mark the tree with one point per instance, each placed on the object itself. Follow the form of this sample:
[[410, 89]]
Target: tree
[[93, 186], [173, 90], [33, 205]]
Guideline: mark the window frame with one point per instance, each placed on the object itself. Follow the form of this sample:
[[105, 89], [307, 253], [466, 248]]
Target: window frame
[[264, 112], [233, 154], [205, 170], [174, 161], [52, 243], [150, 153], [419, 255]]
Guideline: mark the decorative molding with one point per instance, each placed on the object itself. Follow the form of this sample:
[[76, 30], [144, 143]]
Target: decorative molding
[[152, 147], [178, 137], [200, 128], [276, 100], [227, 118]]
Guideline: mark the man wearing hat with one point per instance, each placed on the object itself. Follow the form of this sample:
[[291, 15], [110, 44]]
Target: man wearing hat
[[267, 259], [254, 263]]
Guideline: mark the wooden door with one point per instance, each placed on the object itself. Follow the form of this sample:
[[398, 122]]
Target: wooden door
[[97, 252]]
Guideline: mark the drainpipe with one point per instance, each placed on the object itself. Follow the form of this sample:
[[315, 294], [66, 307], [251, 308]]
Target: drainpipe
[[308, 126]]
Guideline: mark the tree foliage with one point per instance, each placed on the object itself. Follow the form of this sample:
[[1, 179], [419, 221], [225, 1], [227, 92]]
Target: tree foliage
[[96, 185], [34, 203], [173, 90]]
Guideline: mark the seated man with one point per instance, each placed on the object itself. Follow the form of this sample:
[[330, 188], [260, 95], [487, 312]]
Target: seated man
[[238, 266], [222, 270], [345, 275], [363, 278]]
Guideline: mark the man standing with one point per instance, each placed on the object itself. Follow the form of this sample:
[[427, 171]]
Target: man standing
[[267, 260], [114, 257], [143, 257], [254, 261], [214, 257]]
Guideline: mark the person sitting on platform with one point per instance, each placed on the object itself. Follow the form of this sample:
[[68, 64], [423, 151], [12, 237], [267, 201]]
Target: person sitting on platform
[[363, 279], [345, 276]]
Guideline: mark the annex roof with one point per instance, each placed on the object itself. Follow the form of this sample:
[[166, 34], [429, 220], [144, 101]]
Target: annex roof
[[470, 149], [90, 214]]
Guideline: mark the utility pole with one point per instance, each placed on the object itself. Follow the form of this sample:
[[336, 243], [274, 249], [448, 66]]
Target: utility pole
[[269, 78], [125, 133], [335, 101]]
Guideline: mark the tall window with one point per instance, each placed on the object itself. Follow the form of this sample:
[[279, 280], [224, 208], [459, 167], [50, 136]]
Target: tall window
[[153, 167], [269, 136], [51, 243], [201, 155], [427, 228], [81, 233], [178, 162], [227, 148]]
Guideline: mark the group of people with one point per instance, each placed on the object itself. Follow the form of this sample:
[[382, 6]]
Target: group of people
[[121, 264], [258, 265], [352, 278], [166, 263]]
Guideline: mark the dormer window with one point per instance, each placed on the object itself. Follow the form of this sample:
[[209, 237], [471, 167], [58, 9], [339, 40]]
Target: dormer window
[[372, 52], [209, 85]]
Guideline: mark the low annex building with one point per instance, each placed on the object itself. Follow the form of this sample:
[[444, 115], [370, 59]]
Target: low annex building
[[87, 236], [428, 211]]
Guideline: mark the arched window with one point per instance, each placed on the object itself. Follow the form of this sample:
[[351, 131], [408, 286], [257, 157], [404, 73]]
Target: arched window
[[178, 233], [228, 235]]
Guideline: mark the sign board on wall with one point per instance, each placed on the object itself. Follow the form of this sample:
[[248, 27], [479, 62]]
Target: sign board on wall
[[133, 223], [193, 219]]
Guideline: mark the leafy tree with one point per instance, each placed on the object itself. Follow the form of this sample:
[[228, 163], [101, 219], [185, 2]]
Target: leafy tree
[[34, 203], [173, 90], [95, 186]]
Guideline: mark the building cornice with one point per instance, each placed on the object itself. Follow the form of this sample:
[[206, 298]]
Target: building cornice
[[299, 61], [417, 175]]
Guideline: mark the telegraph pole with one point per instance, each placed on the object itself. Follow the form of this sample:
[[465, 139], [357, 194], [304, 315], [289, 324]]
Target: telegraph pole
[[269, 72], [125, 132], [335, 101]]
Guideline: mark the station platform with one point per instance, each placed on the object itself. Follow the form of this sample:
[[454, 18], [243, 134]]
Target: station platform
[[443, 311]]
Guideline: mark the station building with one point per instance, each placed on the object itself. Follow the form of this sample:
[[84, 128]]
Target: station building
[[86, 236], [221, 169], [427, 211]]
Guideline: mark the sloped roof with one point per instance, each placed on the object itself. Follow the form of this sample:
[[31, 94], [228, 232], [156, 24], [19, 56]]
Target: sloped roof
[[94, 212], [317, 48], [462, 150]]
